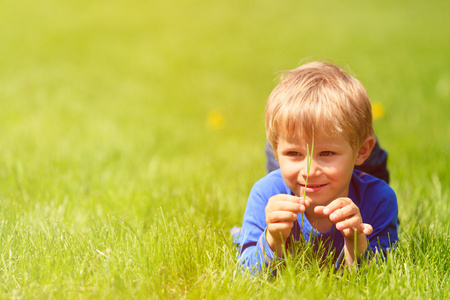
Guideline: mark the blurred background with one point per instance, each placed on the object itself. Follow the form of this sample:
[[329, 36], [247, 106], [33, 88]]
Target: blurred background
[[127, 106]]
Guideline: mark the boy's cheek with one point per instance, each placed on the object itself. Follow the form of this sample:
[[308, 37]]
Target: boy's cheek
[[289, 170]]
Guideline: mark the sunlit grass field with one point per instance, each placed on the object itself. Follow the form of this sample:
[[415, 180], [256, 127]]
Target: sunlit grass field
[[131, 133]]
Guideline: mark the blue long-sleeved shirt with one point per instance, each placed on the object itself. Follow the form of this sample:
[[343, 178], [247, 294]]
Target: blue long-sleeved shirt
[[375, 199]]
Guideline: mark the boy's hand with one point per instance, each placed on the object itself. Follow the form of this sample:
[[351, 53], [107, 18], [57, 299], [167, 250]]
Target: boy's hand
[[346, 216], [281, 212]]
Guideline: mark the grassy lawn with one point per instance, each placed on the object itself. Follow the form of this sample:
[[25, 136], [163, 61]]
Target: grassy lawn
[[132, 131]]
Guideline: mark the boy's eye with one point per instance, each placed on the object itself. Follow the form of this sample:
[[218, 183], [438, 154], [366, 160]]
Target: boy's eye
[[326, 153], [293, 153]]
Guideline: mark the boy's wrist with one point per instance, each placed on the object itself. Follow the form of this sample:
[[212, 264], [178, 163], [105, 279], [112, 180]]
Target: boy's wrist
[[268, 254], [275, 246], [360, 244]]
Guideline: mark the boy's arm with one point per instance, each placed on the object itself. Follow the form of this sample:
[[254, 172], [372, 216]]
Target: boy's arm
[[345, 214], [255, 252], [282, 212], [382, 215], [355, 247], [383, 219], [256, 256]]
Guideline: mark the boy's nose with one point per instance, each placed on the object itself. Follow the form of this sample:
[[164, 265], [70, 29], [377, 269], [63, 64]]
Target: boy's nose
[[314, 168]]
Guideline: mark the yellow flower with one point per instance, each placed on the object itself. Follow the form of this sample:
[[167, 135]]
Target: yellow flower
[[216, 120], [377, 110]]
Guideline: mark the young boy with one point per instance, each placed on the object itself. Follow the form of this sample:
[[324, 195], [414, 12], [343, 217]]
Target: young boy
[[321, 113]]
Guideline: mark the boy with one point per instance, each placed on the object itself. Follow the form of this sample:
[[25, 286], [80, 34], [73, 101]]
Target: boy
[[318, 107]]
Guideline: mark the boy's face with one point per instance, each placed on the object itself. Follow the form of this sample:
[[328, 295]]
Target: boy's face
[[330, 172]]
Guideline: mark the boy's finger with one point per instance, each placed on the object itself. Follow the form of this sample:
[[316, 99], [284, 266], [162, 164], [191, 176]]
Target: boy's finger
[[304, 202], [286, 206], [365, 228], [280, 226], [342, 213], [281, 216], [318, 210], [349, 223], [335, 204], [284, 197]]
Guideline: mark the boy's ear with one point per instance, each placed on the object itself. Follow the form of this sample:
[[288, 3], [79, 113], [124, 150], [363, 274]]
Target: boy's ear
[[365, 150]]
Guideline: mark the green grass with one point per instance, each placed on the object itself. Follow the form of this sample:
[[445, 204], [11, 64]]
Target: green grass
[[112, 184]]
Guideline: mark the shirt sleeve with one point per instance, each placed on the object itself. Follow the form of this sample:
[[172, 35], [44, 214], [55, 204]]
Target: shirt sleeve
[[258, 257], [255, 254]]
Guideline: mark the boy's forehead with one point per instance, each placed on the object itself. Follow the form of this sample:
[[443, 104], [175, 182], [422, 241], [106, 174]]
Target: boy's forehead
[[319, 134], [320, 141], [307, 133]]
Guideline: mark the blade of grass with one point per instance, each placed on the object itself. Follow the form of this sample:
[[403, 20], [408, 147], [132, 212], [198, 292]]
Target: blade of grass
[[308, 167]]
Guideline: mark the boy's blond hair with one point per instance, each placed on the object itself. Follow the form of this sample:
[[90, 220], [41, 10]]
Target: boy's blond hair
[[322, 96]]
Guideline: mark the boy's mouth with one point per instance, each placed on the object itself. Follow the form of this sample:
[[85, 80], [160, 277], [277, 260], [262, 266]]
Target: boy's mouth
[[312, 188]]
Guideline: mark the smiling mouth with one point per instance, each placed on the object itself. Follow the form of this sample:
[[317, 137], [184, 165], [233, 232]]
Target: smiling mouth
[[313, 185], [312, 188]]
